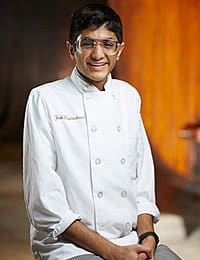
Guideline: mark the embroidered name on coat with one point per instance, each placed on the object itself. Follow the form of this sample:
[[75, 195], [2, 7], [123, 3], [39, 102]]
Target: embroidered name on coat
[[65, 117]]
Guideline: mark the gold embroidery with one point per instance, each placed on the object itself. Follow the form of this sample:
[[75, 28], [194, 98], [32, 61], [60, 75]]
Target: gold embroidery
[[61, 117]]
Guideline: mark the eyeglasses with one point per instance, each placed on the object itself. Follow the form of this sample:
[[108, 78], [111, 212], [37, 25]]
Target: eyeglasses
[[109, 46]]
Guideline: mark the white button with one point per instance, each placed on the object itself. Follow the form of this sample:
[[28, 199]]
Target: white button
[[100, 194], [128, 225], [97, 161], [124, 194], [123, 161], [114, 97], [119, 128], [93, 128]]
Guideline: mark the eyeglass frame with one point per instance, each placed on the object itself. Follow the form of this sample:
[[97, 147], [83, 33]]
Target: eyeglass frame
[[79, 49]]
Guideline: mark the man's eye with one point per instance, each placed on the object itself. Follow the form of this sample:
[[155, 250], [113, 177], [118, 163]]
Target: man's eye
[[87, 43], [108, 44]]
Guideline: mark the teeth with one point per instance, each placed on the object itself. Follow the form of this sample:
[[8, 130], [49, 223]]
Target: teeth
[[97, 64]]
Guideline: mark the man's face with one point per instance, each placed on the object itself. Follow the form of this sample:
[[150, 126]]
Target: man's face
[[94, 64]]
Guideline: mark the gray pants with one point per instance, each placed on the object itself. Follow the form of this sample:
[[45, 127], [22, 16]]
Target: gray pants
[[162, 253]]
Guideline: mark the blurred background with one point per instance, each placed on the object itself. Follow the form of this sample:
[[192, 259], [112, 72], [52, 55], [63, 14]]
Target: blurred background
[[161, 60]]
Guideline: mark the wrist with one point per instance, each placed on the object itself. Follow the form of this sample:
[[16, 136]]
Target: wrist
[[150, 237]]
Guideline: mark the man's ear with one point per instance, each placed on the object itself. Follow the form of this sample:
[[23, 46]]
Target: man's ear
[[120, 50], [70, 48]]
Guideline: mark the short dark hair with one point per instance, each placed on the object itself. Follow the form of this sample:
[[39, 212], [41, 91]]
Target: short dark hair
[[94, 16]]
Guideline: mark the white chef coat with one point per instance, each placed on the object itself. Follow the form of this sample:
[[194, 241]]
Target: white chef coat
[[87, 157]]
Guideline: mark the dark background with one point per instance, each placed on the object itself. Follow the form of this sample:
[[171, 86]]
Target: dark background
[[32, 51]]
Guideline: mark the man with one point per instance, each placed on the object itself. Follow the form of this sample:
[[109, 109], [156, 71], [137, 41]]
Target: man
[[88, 169]]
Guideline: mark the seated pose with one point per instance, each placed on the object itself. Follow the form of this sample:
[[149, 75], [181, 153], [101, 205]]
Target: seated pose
[[88, 168]]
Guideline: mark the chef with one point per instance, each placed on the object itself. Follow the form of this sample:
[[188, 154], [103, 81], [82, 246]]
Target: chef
[[88, 168]]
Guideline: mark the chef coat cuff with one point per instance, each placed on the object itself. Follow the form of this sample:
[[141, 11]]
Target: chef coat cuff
[[62, 226], [149, 208]]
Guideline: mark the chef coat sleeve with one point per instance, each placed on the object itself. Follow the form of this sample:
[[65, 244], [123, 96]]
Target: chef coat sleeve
[[145, 176], [44, 193]]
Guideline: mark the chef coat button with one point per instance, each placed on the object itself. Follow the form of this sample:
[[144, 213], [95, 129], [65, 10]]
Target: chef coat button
[[97, 161], [100, 194], [93, 128], [119, 128], [114, 97], [124, 194], [123, 161], [128, 225]]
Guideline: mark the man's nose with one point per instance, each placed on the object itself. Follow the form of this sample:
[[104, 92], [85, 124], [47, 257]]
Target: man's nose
[[97, 52]]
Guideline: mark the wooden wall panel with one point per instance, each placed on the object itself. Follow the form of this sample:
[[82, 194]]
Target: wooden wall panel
[[161, 59]]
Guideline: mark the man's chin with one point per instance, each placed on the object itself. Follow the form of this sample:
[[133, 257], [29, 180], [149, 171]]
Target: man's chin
[[95, 77], [98, 75]]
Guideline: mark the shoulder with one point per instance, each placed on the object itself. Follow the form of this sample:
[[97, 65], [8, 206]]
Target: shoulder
[[49, 88], [124, 87]]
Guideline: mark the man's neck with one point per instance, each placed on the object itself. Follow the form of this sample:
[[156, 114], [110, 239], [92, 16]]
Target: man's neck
[[100, 85]]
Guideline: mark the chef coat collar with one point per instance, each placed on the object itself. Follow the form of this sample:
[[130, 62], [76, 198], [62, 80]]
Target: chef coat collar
[[84, 86]]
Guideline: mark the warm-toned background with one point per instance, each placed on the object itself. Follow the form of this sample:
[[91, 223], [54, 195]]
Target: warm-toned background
[[161, 60]]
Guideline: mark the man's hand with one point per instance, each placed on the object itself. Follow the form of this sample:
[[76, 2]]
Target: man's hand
[[149, 242], [133, 252], [81, 235], [145, 224], [142, 256]]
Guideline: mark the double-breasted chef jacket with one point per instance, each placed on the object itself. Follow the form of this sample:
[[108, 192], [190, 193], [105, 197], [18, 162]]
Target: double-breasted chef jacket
[[87, 157]]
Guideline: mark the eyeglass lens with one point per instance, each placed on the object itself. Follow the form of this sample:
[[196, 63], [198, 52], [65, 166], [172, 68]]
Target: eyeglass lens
[[109, 46]]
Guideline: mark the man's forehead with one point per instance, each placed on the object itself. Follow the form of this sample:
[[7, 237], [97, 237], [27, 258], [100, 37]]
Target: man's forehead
[[98, 33]]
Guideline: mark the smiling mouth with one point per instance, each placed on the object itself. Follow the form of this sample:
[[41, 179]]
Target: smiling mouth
[[97, 65]]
